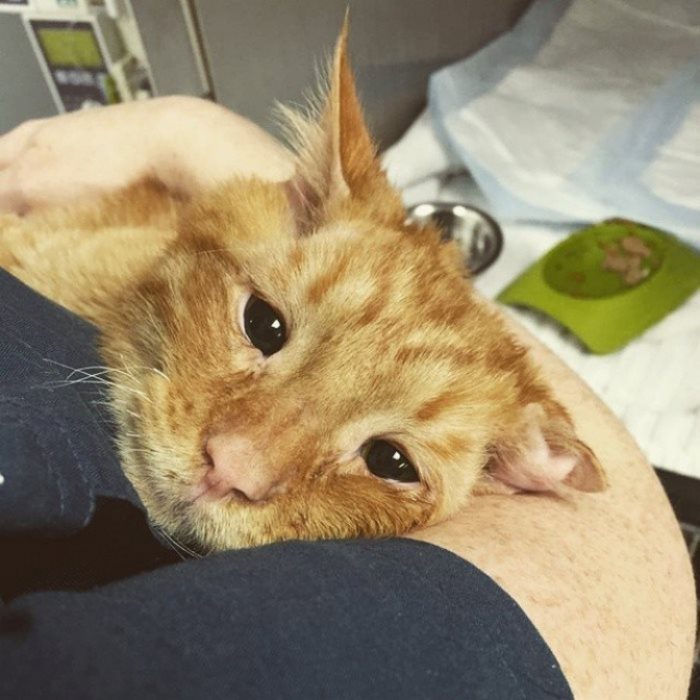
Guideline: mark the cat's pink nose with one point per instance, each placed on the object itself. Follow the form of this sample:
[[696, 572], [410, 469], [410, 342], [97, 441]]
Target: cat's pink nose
[[237, 469]]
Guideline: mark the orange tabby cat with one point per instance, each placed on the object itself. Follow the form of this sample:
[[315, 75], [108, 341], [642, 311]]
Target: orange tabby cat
[[295, 361]]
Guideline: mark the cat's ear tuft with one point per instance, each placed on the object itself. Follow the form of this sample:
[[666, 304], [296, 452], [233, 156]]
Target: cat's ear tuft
[[336, 158], [542, 453]]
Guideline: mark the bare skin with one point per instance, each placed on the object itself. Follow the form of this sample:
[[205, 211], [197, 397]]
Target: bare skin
[[604, 577], [186, 142]]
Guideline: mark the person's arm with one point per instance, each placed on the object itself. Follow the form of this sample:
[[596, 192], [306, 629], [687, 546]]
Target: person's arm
[[186, 142], [605, 577]]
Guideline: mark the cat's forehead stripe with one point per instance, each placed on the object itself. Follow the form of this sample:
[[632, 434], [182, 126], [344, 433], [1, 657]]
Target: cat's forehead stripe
[[373, 308], [458, 357], [322, 284], [435, 407]]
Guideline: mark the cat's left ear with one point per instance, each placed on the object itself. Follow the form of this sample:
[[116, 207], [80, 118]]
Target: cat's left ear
[[337, 161], [542, 453]]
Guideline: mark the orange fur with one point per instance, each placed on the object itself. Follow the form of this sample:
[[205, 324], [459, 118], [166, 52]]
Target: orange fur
[[386, 339]]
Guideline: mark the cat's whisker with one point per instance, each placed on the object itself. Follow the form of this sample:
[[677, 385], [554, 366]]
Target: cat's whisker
[[173, 545], [86, 379], [91, 377], [98, 375], [60, 364], [100, 381], [178, 547], [61, 384], [88, 375], [104, 368], [128, 370], [160, 373], [137, 392]]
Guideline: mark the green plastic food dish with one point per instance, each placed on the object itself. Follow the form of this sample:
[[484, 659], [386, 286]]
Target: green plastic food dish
[[609, 282]]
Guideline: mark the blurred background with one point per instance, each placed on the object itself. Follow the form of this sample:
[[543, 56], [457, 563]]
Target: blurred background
[[60, 54]]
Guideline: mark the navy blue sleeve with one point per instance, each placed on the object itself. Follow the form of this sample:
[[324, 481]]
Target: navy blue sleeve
[[361, 619], [56, 437]]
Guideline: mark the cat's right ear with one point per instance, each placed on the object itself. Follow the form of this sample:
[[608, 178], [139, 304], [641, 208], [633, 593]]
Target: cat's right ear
[[542, 452], [337, 163]]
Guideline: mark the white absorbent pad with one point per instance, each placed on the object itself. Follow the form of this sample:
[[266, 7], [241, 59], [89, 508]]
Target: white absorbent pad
[[587, 109]]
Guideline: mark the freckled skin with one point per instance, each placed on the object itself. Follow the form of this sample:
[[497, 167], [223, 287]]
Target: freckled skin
[[605, 578], [386, 340]]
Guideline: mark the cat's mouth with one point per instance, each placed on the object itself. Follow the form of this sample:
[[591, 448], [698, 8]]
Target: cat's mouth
[[205, 489], [206, 486], [212, 488]]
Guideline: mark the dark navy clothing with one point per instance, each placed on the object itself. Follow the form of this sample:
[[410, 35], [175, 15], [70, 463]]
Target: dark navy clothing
[[95, 606], [56, 453]]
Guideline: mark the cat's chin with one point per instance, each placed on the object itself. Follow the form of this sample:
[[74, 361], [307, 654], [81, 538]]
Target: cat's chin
[[197, 526], [209, 526], [204, 521]]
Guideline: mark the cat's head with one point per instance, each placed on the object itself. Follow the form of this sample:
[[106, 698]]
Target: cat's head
[[303, 364]]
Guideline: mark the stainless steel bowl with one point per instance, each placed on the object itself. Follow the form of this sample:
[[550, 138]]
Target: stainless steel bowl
[[477, 234]]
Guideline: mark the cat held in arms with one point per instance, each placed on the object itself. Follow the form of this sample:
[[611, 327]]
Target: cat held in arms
[[294, 360]]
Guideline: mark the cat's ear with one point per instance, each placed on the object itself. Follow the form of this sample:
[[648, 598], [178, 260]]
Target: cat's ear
[[542, 453], [337, 160]]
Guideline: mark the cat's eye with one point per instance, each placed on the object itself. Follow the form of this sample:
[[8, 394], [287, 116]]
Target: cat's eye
[[388, 462], [264, 326]]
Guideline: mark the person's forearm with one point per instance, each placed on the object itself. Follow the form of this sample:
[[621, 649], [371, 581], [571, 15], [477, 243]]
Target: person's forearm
[[186, 142], [605, 577]]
